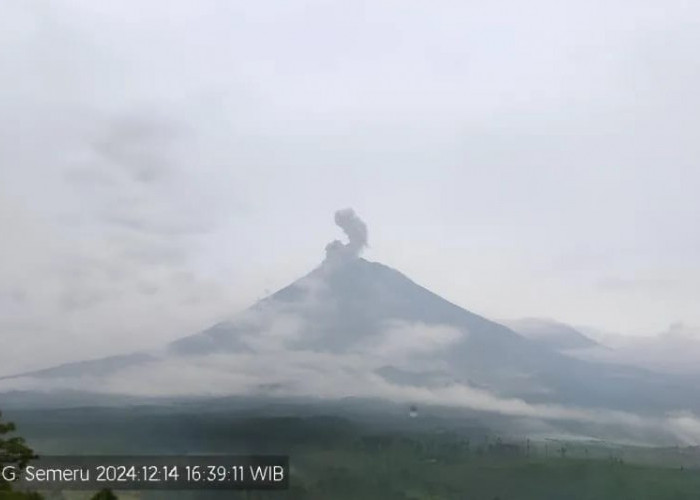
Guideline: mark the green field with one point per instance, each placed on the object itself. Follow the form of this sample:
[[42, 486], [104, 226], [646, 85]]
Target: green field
[[334, 457]]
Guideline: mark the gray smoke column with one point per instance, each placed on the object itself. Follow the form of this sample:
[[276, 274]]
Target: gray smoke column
[[356, 231]]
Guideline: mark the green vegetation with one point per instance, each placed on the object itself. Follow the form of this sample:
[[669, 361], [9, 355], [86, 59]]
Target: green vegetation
[[377, 458], [16, 454], [424, 469]]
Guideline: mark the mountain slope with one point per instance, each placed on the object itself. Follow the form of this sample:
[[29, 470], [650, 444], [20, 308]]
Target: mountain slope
[[354, 318], [552, 334]]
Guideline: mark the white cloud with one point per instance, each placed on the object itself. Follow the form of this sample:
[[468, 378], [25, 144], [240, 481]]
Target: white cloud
[[400, 340], [335, 376], [675, 350], [685, 426]]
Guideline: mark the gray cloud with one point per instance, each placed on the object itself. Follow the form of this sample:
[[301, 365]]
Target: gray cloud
[[356, 231], [139, 146], [117, 246], [354, 228]]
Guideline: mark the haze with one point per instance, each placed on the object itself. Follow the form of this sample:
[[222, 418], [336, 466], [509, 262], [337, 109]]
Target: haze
[[166, 164]]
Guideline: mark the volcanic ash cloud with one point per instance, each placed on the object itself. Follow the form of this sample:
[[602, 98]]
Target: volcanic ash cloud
[[356, 231]]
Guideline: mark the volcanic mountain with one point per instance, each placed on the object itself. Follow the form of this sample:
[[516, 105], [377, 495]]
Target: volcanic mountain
[[552, 334], [352, 327]]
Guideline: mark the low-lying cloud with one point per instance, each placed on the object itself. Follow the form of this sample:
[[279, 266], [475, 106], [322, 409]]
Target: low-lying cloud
[[335, 376], [274, 367]]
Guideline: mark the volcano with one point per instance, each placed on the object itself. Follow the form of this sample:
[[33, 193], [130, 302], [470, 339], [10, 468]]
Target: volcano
[[354, 327]]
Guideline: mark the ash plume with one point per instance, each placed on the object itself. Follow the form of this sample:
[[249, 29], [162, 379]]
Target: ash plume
[[356, 231]]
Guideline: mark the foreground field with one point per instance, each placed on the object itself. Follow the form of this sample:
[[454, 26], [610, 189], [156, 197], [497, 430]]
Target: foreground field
[[397, 458]]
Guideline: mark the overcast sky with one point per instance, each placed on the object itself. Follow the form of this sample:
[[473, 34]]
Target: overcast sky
[[165, 164]]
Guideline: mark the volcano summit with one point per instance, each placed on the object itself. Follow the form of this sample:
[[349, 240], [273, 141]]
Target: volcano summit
[[355, 328]]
